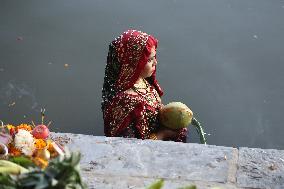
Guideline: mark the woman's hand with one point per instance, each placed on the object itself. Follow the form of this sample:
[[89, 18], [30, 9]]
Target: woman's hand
[[167, 134], [161, 106]]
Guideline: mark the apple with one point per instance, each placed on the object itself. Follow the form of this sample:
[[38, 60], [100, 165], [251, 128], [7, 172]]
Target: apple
[[40, 132]]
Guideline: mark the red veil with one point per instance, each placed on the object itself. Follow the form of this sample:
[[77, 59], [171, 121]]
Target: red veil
[[127, 56]]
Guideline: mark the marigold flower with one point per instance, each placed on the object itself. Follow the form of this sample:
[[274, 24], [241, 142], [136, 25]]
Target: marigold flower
[[9, 126], [11, 129], [40, 144], [24, 127], [13, 150], [48, 144], [42, 163]]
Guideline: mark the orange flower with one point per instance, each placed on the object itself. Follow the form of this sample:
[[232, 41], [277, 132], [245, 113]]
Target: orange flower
[[11, 129], [9, 126], [14, 151], [42, 163], [40, 143], [24, 126], [48, 143]]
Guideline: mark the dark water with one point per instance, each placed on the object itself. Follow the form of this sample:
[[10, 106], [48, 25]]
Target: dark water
[[223, 58]]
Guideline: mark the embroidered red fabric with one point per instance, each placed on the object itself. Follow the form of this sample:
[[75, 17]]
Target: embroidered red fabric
[[124, 114]]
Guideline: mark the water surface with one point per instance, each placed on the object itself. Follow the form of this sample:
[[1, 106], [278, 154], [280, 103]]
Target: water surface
[[222, 58]]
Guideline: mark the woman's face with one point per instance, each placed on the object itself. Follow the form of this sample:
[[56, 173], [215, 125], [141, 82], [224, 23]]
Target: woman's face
[[150, 65]]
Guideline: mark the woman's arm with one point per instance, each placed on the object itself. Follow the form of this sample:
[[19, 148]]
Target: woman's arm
[[168, 134], [182, 135], [129, 132]]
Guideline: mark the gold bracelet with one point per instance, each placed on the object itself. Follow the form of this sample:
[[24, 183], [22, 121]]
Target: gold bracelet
[[153, 136]]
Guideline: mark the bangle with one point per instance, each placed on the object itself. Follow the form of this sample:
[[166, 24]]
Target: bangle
[[153, 136]]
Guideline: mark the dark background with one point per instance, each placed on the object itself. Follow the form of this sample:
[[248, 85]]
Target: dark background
[[223, 58]]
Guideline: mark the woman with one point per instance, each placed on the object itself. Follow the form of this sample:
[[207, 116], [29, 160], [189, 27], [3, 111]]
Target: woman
[[131, 93]]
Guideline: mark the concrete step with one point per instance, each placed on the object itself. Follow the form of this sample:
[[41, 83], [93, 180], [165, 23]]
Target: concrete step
[[112, 162]]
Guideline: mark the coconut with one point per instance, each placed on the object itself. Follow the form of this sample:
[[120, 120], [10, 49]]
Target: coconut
[[175, 115]]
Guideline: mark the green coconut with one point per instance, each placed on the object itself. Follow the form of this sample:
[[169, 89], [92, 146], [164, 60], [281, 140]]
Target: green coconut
[[175, 115]]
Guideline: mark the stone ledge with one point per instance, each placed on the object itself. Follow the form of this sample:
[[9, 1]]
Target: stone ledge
[[111, 162], [113, 182], [259, 168]]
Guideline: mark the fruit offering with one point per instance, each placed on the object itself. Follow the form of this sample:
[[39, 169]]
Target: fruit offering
[[30, 141], [177, 115]]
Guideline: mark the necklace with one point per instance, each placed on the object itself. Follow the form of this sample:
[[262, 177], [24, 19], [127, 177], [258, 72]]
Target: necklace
[[137, 86], [144, 85], [147, 93]]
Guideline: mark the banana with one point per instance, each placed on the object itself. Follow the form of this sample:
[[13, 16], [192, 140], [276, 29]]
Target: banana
[[10, 170], [6, 166]]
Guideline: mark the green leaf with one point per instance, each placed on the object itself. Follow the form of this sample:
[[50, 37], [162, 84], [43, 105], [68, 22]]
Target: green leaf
[[157, 185], [7, 182], [23, 161], [61, 173], [189, 187]]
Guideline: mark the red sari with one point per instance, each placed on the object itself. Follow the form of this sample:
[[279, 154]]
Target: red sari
[[131, 115]]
